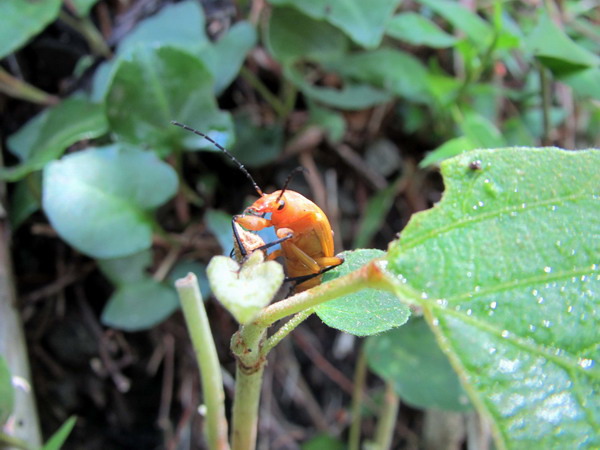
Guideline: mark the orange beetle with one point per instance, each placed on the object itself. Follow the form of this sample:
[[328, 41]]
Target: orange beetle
[[302, 229]]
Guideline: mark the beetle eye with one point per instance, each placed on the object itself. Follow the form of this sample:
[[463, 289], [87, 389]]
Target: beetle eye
[[281, 205]]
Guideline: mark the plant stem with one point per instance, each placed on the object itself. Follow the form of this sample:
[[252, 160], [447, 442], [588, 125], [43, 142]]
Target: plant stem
[[387, 419], [245, 407], [545, 86], [271, 98], [370, 275], [360, 373], [86, 28], [286, 329], [20, 89], [208, 361]]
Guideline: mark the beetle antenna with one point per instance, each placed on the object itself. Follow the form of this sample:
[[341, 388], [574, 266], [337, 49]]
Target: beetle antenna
[[220, 147], [289, 178]]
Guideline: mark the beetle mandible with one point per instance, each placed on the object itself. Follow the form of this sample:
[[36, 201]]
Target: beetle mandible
[[302, 228]]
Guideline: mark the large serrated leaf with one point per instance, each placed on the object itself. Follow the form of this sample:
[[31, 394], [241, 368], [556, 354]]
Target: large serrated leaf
[[507, 271], [98, 199], [47, 135], [365, 312], [21, 20], [151, 87], [363, 22]]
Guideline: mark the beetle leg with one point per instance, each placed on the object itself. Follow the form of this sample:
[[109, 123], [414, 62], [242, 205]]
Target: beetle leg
[[252, 223]]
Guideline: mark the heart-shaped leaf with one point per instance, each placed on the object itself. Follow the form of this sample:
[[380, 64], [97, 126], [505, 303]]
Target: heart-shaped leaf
[[140, 305], [244, 290], [364, 312], [151, 87], [363, 22], [506, 268], [99, 199], [127, 269]]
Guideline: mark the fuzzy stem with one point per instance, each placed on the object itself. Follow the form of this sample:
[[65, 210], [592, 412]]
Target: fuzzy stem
[[387, 419], [360, 374], [286, 329], [208, 361], [245, 408]]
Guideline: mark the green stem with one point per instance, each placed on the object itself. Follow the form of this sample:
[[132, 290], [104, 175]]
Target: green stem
[[271, 98], [545, 86], [360, 374], [387, 419], [20, 89], [369, 276], [208, 361], [86, 28], [286, 329], [245, 407]]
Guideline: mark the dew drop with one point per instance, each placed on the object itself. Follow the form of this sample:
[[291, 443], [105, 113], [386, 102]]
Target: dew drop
[[505, 333], [594, 266], [534, 292], [558, 243], [492, 350], [532, 327], [547, 269], [477, 288], [586, 363], [469, 312], [442, 302], [435, 322], [546, 323], [540, 300], [553, 208], [570, 309], [523, 205], [424, 295], [469, 274], [493, 305]]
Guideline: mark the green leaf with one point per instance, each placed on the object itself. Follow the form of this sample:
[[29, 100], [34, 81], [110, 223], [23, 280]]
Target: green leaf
[[330, 121], [244, 291], [375, 213], [140, 305], [463, 19], [256, 146], [46, 136], [506, 271], [99, 199], [7, 392], [83, 6], [57, 440], [399, 354], [418, 30], [180, 25], [448, 149], [127, 269], [363, 22], [352, 96], [219, 224], [323, 441], [557, 51], [182, 268], [229, 53], [585, 83], [366, 312], [481, 132], [25, 200], [22, 20], [293, 36], [395, 71], [151, 87]]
